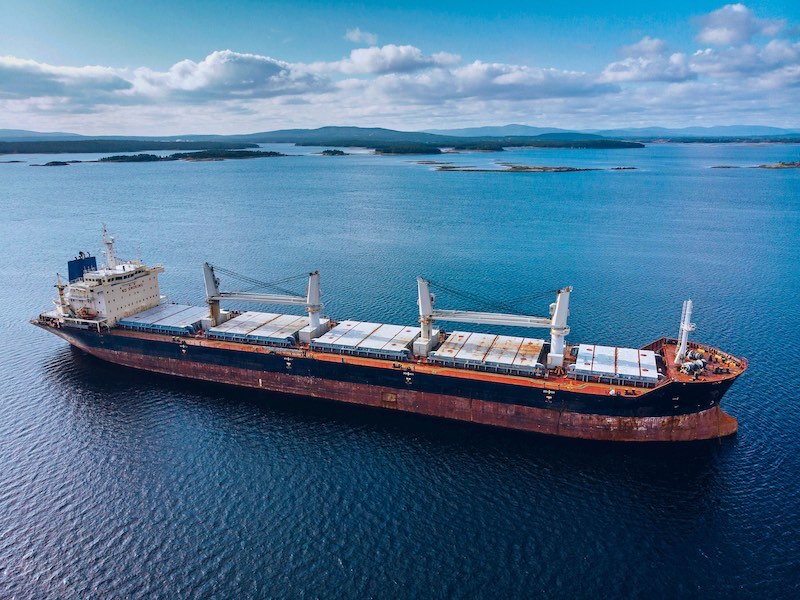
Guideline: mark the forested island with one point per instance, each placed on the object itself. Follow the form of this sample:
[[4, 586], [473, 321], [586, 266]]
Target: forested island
[[202, 155], [103, 145]]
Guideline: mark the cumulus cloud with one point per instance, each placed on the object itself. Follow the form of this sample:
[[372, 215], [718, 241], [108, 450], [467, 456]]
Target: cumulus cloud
[[385, 59], [21, 78], [228, 75], [649, 68], [734, 24], [491, 81], [732, 53], [747, 60], [222, 75], [361, 37], [647, 46], [648, 60]]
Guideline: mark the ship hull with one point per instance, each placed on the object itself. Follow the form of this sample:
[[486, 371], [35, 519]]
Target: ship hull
[[673, 412]]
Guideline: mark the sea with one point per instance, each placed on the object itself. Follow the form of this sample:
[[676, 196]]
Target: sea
[[116, 483]]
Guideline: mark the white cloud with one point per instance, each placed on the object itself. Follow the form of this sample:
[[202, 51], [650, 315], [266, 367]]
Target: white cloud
[[747, 60], [445, 59], [22, 78], [361, 37], [734, 24], [386, 59], [228, 75], [647, 46], [490, 81], [649, 68]]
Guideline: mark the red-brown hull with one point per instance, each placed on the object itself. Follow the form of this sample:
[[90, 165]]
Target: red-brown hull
[[708, 424]]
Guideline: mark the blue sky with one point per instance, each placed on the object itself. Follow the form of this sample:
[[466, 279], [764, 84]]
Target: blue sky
[[225, 67]]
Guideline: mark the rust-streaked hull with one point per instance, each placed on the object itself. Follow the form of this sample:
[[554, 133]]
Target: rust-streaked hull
[[705, 424]]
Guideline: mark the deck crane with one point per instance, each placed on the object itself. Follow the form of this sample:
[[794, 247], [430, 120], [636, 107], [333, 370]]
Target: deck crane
[[556, 323], [311, 301], [683, 333]]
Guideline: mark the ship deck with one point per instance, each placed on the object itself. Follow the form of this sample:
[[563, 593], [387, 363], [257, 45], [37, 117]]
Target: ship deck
[[721, 366]]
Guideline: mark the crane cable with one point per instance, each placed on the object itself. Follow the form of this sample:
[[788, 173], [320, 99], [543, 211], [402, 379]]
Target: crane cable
[[510, 306], [258, 284]]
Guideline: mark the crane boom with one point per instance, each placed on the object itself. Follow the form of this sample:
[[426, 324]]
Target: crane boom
[[260, 298], [557, 323], [311, 300], [486, 318]]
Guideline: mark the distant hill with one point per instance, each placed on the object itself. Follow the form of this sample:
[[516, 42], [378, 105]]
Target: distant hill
[[498, 131], [737, 131], [391, 141], [330, 135], [570, 136], [23, 135], [376, 136], [334, 135]]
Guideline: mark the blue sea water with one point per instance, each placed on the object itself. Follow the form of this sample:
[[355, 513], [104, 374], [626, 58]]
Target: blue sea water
[[116, 483]]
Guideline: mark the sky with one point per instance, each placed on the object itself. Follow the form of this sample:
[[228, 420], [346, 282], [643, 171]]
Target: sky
[[169, 68]]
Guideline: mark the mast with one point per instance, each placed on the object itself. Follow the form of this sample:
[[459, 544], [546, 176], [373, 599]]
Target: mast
[[108, 241]]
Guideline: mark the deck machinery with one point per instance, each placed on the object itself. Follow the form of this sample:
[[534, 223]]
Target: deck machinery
[[668, 390]]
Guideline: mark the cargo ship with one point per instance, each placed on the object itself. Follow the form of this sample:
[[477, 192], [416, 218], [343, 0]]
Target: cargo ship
[[667, 390]]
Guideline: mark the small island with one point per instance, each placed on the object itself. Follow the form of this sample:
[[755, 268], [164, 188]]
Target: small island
[[406, 148], [191, 156], [132, 158], [223, 155], [505, 167], [334, 153], [204, 155], [781, 165], [778, 165], [508, 168]]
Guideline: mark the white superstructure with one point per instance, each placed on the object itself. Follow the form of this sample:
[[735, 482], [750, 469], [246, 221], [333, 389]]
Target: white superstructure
[[108, 294]]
